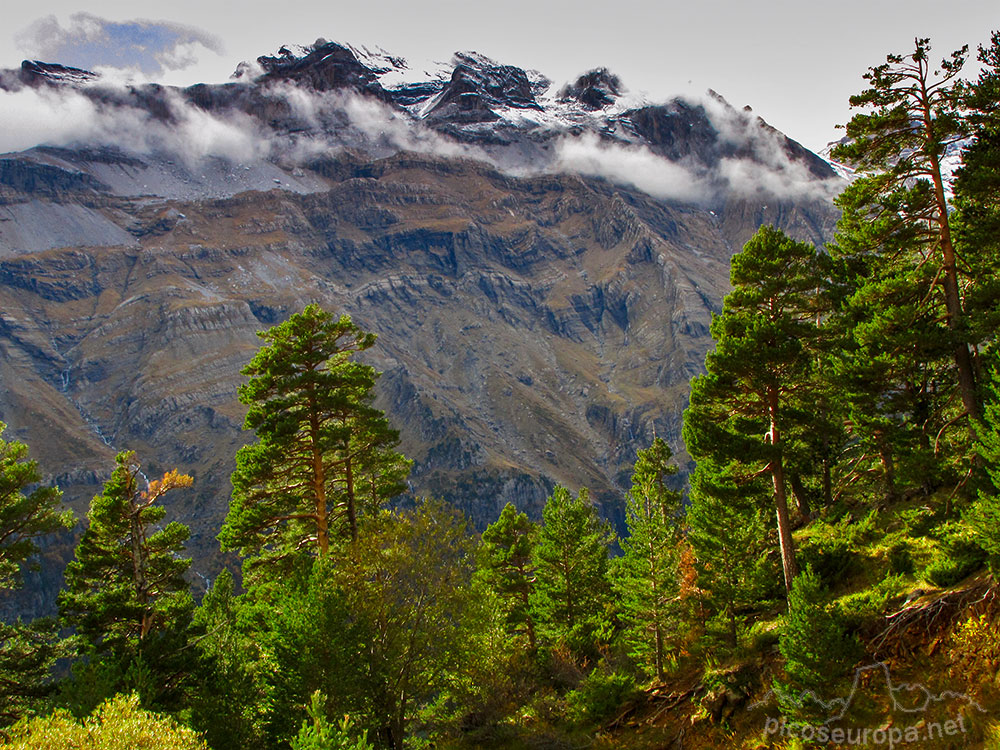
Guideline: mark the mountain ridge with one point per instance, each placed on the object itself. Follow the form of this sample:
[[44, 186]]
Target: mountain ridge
[[540, 313]]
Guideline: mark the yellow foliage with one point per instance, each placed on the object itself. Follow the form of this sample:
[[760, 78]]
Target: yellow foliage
[[172, 480], [975, 650], [117, 724]]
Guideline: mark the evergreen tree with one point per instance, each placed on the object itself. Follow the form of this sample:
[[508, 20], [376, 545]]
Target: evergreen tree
[[235, 672], [324, 455], [509, 570], [814, 645], [754, 388], [571, 562], [125, 591], [726, 530], [28, 511], [898, 210], [646, 575]]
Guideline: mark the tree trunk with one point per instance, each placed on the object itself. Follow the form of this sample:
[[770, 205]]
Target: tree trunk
[[785, 541], [801, 498], [949, 265], [352, 514], [318, 481]]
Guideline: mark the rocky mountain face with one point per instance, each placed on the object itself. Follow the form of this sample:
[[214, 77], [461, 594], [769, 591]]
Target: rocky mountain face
[[540, 264]]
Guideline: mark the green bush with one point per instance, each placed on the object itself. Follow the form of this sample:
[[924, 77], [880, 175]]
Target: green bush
[[900, 559], [958, 557], [814, 643], [870, 603], [600, 695], [317, 733], [117, 724]]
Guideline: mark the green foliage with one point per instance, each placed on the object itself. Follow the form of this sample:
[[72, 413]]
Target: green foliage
[[728, 534], [870, 604], [983, 517], [125, 593], [24, 515], [600, 695], [758, 377], [118, 724], [646, 577], [27, 651], [381, 633], [318, 733], [814, 644], [569, 602], [324, 456], [915, 299], [506, 562], [900, 559], [234, 673]]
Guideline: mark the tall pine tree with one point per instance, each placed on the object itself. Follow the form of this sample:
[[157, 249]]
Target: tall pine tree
[[570, 598], [29, 511], [324, 456], [754, 387], [507, 565], [646, 574], [125, 590]]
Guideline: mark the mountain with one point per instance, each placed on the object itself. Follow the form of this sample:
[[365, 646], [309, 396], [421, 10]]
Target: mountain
[[540, 263]]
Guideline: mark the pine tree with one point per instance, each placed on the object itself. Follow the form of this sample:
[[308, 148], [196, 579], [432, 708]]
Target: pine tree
[[756, 378], [324, 456], [125, 590], [509, 570], [571, 562], [899, 207], [28, 511], [726, 530], [816, 648], [646, 575]]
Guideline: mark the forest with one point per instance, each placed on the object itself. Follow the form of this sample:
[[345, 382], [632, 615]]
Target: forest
[[843, 512]]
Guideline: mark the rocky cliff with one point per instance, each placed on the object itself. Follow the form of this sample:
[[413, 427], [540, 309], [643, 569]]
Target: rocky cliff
[[540, 267]]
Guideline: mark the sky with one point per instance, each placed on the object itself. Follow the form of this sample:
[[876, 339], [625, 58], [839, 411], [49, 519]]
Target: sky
[[795, 62]]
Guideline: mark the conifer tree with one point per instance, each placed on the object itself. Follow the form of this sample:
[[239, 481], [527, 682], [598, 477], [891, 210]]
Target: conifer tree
[[571, 563], [756, 379], [646, 574], [324, 456], [509, 569], [726, 530], [898, 211], [28, 511], [125, 590], [816, 648]]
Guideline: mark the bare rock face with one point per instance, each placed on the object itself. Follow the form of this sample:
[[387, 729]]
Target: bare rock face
[[535, 326]]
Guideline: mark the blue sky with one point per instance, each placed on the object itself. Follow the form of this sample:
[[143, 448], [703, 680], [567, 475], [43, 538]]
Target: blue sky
[[794, 62]]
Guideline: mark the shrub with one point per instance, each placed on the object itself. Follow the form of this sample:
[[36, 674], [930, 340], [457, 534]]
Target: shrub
[[900, 559], [975, 651], [600, 695], [958, 557], [117, 724], [317, 733], [814, 644]]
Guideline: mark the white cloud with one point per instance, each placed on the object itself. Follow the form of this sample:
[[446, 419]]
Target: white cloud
[[636, 166]]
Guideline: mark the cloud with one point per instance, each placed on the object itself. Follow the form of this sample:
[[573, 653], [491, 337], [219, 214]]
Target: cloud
[[91, 42], [630, 165], [65, 117]]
